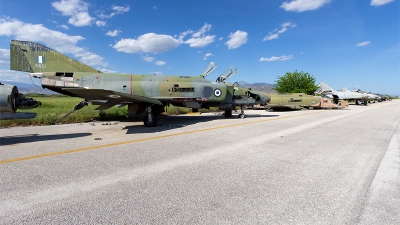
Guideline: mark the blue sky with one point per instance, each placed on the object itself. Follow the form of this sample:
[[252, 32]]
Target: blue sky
[[341, 43]]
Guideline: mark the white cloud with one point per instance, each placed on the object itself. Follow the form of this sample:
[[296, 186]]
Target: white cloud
[[15, 76], [147, 58], [107, 71], [64, 27], [100, 23], [53, 39], [158, 43], [160, 63], [365, 43], [276, 58], [147, 43], [207, 55], [200, 42], [113, 33], [303, 5], [4, 56], [121, 9], [117, 9], [275, 34], [104, 16], [199, 39], [183, 34], [237, 39], [36, 32], [84, 55], [77, 10], [380, 2]]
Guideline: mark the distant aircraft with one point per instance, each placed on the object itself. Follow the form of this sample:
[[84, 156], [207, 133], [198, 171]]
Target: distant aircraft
[[143, 94], [371, 97], [344, 94], [11, 100], [301, 100]]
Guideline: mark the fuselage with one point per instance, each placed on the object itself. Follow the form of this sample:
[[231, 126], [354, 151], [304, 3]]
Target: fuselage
[[193, 92]]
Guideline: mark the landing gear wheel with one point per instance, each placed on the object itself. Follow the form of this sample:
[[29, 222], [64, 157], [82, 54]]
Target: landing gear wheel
[[147, 122], [228, 113], [241, 116]]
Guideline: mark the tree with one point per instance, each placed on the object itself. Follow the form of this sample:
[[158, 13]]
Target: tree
[[296, 82]]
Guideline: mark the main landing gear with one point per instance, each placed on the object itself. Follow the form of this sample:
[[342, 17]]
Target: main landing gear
[[149, 120], [228, 113], [241, 114]]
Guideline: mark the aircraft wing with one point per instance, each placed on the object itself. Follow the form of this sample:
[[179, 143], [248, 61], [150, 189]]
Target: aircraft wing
[[112, 97]]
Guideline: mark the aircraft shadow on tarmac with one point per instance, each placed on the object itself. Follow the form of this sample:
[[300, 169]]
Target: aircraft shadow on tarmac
[[165, 123], [11, 140]]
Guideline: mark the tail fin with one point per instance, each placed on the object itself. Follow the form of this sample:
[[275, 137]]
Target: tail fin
[[356, 89], [33, 57], [345, 89], [322, 87]]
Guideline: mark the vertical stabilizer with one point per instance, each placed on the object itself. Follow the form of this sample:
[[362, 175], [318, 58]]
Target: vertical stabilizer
[[322, 87], [356, 89], [33, 57], [345, 89]]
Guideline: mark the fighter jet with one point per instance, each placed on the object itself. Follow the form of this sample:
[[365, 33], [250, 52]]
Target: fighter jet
[[326, 91], [300, 100], [11, 101], [145, 95], [372, 98]]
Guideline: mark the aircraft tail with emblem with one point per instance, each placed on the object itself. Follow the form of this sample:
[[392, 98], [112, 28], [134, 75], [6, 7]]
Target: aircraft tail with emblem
[[33, 57]]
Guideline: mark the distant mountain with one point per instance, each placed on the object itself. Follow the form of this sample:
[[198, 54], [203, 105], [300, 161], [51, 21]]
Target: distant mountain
[[25, 88], [244, 84], [265, 87]]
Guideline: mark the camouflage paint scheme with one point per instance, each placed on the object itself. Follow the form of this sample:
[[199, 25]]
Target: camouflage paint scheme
[[142, 93], [293, 101]]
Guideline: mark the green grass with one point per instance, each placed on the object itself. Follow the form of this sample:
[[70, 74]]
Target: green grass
[[54, 107]]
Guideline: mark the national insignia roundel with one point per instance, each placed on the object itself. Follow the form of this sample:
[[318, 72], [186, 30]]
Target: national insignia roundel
[[217, 92], [313, 102]]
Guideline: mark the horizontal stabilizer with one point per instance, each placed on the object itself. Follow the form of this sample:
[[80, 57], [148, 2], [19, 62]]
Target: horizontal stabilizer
[[112, 97]]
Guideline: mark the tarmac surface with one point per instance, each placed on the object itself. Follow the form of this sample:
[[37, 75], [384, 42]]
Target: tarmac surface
[[296, 167]]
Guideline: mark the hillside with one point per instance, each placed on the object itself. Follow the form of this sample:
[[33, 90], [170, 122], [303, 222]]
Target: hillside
[[264, 87]]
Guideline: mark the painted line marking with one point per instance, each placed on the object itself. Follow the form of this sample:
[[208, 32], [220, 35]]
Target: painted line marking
[[143, 139]]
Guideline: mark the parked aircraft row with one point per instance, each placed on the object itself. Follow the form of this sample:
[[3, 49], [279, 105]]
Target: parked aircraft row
[[143, 94], [147, 95], [300, 100], [356, 95], [324, 97]]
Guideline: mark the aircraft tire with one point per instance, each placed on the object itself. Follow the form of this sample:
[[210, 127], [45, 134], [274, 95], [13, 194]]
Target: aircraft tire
[[241, 116], [147, 123], [228, 113]]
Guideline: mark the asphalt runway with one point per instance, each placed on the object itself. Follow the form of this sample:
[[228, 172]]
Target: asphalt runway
[[297, 167]]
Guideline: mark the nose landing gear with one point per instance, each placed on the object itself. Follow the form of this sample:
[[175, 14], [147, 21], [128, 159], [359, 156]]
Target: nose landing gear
[[149, 120], [241, 114]]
